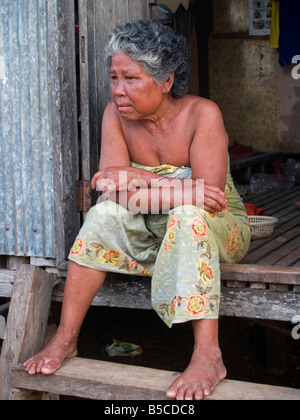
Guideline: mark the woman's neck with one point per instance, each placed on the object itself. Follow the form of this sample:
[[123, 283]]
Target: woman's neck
[[161, 120]]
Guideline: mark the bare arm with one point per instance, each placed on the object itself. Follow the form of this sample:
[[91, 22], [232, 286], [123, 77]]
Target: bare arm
[[115, 172], [114, 151], [209, 155], [209, 150], [117, 178]]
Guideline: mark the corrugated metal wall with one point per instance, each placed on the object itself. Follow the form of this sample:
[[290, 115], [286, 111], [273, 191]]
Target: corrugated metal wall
[[26, 186]]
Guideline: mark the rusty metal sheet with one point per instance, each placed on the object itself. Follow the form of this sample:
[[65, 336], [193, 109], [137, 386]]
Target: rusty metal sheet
[[26, 186]]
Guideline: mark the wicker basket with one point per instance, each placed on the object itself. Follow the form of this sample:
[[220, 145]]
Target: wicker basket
[[262, 226]]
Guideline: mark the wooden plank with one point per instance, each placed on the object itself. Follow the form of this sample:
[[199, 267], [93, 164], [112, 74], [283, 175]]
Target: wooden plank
[[260, 274], [285, 211], [282, 252], [291, 216], [274, 243], [259, 304], [12, 262], [285, 226], [97, 380], [239, 302], [118, 291], [259, 199], [285, 216], [7, 278], [297, 264], [43, 262], [282, 200], [290, 259], [63, 122], [26, 322], [268, 198]]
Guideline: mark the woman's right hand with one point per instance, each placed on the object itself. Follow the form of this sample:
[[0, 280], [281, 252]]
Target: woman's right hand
[[215, 199]]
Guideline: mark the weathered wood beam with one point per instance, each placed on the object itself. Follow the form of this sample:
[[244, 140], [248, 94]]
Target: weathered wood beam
[[99, 380], [261, 274]]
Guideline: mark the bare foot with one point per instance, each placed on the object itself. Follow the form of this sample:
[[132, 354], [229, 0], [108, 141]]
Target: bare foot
[[298, 204], [200, 378], [51, 358]]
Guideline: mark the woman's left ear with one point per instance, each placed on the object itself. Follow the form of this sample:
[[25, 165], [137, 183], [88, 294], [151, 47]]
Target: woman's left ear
[[167, 86]]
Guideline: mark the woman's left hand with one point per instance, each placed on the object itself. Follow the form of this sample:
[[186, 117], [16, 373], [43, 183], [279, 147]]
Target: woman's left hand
[[120, 179]]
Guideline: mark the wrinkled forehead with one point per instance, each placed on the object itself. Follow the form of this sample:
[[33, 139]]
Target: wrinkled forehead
[[124, 63]]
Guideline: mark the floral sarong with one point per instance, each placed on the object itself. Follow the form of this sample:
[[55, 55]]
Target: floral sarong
[[181, 251]]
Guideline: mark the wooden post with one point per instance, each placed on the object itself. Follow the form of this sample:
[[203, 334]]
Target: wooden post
[[26, 324]]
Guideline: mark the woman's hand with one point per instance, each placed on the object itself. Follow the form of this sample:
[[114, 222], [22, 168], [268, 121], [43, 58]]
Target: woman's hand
[[214, 199], [121, 179]]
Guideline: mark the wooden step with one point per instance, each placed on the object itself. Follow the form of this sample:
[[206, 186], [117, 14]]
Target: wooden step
[[99, 380]]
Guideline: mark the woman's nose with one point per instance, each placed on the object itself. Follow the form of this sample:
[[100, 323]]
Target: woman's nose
[[119, 88]]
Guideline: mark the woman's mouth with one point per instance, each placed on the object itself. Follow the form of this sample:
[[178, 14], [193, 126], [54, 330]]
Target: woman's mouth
[[123, 107]]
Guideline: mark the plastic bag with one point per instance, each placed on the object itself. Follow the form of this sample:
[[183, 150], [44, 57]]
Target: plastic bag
[[263, 183], [121, 348], [291, 169]]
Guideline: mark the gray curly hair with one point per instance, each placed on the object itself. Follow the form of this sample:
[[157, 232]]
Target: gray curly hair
[[158, 49]]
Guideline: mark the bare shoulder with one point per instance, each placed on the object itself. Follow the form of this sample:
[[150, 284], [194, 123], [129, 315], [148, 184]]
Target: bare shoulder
[[114, 151], [111, 125], [203, 108], [208, 122], [111, 111]]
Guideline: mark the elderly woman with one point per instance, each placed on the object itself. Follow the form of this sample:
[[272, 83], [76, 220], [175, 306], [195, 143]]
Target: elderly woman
[[157, 218]]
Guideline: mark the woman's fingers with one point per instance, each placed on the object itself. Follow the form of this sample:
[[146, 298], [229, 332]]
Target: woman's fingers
[[95, 178], [214, 199], [103, 182], [111, 179]]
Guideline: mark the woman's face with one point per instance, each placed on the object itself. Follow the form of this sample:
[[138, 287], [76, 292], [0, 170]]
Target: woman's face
[[135, 93]]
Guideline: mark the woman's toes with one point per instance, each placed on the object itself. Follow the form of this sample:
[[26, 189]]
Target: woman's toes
[[199, 393], [172, 391], [189, 393], [31, 369], [181, 392], [207, 391], [49, 369], [40, 365]]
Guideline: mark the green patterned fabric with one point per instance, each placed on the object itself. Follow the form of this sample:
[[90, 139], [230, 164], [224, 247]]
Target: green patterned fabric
[[181, 251]]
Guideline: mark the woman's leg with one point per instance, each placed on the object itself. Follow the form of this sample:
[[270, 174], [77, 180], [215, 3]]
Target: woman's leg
[[82, 285], [206, 368], [186, 286]]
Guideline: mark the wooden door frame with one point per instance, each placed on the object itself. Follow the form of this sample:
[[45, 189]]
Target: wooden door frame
[[63, 122]]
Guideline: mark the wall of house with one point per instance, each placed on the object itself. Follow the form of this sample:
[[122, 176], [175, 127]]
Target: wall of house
[[259, 99]]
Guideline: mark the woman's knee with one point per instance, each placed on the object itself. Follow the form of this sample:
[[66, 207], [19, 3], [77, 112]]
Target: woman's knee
[[109, 208]]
